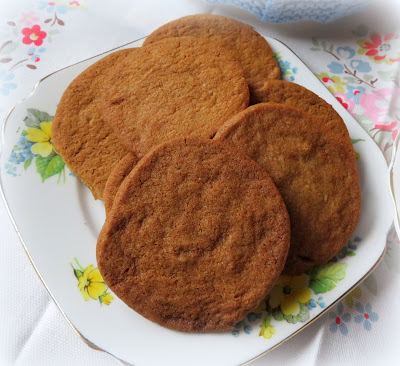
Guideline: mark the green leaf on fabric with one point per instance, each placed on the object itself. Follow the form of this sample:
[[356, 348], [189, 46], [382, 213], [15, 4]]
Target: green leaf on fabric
[[315, 42], [387, 75], [8, 47], [350, 79], [354, 141], [368, 77]]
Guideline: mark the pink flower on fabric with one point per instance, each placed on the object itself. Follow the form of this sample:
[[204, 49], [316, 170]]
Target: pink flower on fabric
[[393, 127], [33, 35], [380, 48], [382, 106], [28, 18], [376, 104]]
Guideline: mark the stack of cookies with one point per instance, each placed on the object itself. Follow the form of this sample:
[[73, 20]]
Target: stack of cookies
[[207, 199]]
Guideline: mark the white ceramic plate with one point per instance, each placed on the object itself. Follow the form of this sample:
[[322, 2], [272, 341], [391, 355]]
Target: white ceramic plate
[[395, 182], [58, 222]]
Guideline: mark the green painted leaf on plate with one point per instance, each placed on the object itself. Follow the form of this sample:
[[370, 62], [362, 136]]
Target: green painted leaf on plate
[[27, 163], [49, 166], [323, 279], [40, 116]]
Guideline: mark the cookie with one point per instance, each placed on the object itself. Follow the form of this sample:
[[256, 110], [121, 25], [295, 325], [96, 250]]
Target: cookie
[[314, 170], [177, 87], [87, 145], [243, 42], [285, 92], [197, 235], [116, 177]]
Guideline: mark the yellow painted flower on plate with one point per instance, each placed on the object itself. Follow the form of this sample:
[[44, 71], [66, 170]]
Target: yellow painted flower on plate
[[42, 138], [267, 332], [91, 283], [106, 298], [288, 292]]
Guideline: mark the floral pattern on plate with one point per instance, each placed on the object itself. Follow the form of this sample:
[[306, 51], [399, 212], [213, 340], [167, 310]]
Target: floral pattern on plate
[[293, 298], [35, 145], [91, 284]]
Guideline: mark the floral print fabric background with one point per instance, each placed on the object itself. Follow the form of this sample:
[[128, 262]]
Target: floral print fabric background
[[364, 77], [361, 71]]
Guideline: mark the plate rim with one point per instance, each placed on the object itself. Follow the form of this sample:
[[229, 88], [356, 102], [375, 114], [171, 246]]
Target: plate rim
[[80, 335], [395, 152]]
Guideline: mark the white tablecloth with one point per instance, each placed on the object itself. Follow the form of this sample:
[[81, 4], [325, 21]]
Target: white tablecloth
[[33, 331]]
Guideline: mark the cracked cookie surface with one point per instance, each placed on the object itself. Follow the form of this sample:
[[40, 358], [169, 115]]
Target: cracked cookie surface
[[197, 235]]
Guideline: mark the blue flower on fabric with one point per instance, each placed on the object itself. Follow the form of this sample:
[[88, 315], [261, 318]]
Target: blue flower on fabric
[[339, 320], [336, 67], [61, 9], [354, 92], [35, 53], [366, 315], [345, 52], [360, 66], [5, 85], [53, 6]]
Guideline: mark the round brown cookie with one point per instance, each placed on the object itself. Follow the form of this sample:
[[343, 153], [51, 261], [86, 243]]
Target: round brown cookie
[[285, 92], [116, 177], [177, 87], [243, 42], [314, 170], [87, 145], [197, 235]]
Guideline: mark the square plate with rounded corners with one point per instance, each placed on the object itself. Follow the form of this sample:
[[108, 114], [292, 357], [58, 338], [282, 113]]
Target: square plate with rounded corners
[[58, 221]]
